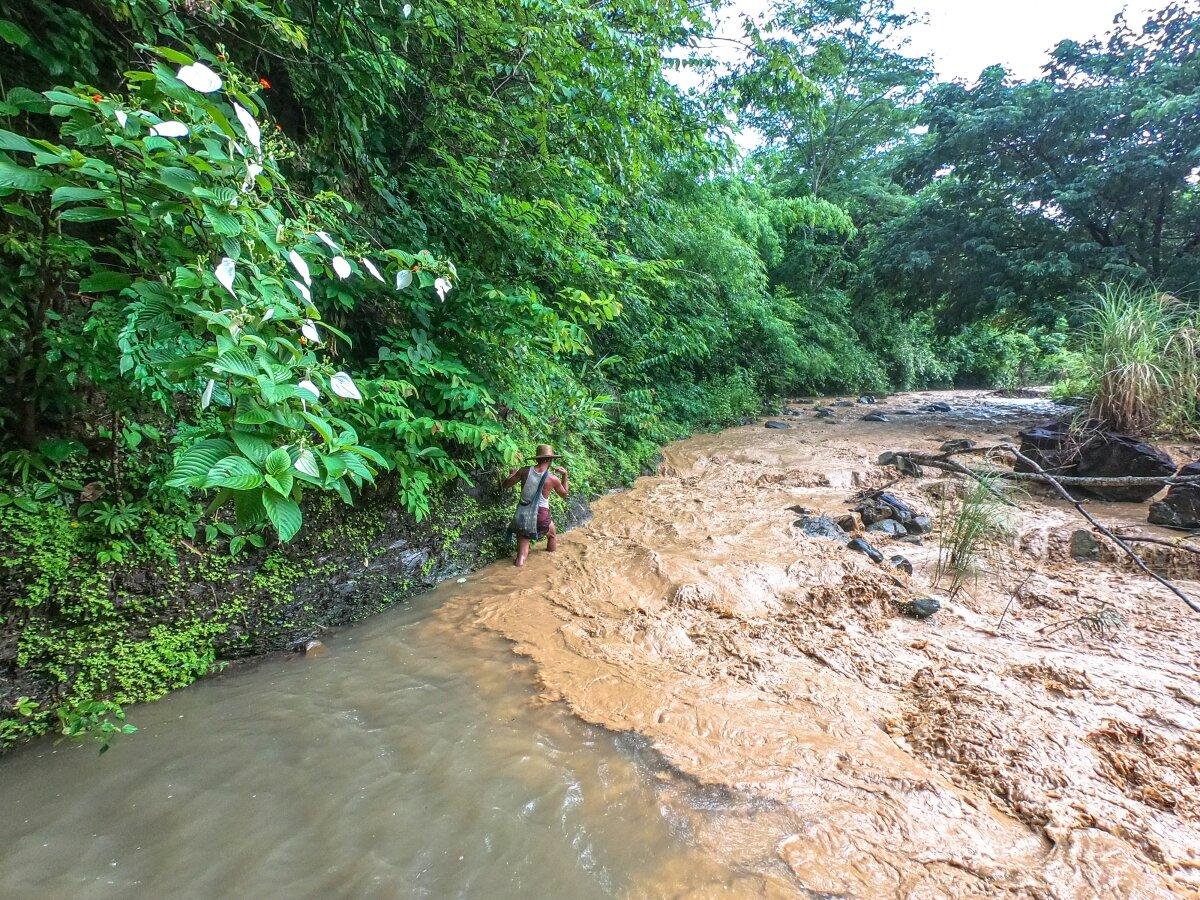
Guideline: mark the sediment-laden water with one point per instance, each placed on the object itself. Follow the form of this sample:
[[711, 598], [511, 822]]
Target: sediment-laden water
[[703, 702]]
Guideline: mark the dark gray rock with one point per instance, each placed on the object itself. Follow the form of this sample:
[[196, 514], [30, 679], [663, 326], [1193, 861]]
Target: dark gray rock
[[905, 412], [867, 398], [901, 511], [957, 446], [919, 609], [777, 425], [890, 527], [842, 403], [914, 539], [901, 563], [1084, 545], [1091, 452], [937, 407], [821, 527], [874, 510], [577, 512], [874, 417], [652, 465], [861, 546], [848, 522], [920, 524], [824, 412], [1181, 507]]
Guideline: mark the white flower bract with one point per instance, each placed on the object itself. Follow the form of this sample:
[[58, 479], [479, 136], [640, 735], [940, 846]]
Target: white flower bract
[[343, 385], [121, 116], [253, 134], [309, 330], [403, 279], [442, 286], [370, 267], [200, 77], [170, 129], [327, 241], [206, 395], [300, 266], [303, 289], [224, 273], [342, 267], [307, 385]]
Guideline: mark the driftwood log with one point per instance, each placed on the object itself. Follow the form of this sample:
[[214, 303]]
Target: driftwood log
[[945, 462]]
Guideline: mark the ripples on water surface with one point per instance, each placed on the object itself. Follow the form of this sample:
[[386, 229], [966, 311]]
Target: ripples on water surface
[[410, 760]]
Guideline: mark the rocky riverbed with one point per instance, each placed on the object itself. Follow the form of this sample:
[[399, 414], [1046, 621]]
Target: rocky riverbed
[[1034, 735]]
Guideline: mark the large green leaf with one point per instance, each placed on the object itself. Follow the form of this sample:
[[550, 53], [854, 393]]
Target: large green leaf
[[278, 461], [236, 362], [235, 472], [193, 465], [19, 178], [284, 514]]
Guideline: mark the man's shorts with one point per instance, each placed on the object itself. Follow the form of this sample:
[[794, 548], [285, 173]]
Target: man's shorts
[[543, 522]]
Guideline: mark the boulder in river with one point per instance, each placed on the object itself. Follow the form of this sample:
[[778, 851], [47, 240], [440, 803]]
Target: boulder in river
[[874, 417], [1181, 507], [906, 412], [821, 527], [1092, 452], [866, 398], [958, 445], [777, 425], [861, 546], [890, 527], [824, 412], [920, 524], [1084, 545], [919, 609], [847, 522], [938, 407], [901, 563]]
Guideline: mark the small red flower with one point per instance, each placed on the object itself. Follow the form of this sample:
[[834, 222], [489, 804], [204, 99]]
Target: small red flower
[[97, 97], [278, 127], [265, 84]]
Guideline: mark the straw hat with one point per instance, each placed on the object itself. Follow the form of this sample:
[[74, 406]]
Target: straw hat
[[545, 451]]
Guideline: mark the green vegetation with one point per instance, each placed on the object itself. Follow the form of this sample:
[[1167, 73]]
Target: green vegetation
[[1138, 362], [969, 527], [272, 272]]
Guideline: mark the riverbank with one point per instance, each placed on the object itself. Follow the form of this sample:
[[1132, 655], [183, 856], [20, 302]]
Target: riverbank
[[986, 750]]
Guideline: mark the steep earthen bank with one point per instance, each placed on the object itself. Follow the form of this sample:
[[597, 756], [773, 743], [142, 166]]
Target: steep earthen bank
[[992, 749]]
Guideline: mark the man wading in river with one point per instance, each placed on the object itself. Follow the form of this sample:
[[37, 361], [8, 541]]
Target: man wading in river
[[532, 521]]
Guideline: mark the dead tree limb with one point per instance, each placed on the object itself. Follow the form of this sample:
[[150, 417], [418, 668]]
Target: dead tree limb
[[1066, 495]]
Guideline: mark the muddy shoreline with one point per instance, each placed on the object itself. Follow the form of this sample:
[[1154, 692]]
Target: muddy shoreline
[[970, 753]]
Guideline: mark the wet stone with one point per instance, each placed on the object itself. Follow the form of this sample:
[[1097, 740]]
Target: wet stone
[[821, 527], [1084, 545], [824, 412], [890, 527], [906, 412], [920, 525], [1181, 507], [874, 417], [937, 407], [848, 522], [867, 398], [861, 546], [957, 446], [777, 425], [919, 609], [901, 563]]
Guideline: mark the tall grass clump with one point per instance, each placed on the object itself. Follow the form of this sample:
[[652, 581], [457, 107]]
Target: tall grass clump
[[979, 520], [1139, 364]]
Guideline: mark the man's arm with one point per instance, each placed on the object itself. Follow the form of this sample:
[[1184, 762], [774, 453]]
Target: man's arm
[[560, 483], [516, 476]]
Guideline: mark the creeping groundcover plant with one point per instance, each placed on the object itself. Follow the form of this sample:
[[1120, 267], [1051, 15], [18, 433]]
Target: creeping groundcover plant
[[164, 212]]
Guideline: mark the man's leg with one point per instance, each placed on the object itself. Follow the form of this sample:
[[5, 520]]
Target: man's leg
[[552, 537], [522, 550]]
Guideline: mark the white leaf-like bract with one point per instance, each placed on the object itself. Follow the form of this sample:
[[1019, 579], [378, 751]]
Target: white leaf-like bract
[[442, 286], [269, 314], [407, 10], [343, 385], [303, 289], [121, 116], [309, 330], [328, 241], [171, 129], [300, 266], [403, 279], [206, 396], [311, 388], [370, 267], [253, 134], [342, 267], [224, 273], [253, 170], [200, 77]]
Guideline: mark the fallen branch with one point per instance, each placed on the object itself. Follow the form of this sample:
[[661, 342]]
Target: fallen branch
[[1066, 495], [1161, 542], [944, 462]]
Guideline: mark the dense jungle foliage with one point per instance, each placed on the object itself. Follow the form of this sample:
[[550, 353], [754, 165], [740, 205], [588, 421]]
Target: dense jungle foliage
[[259, 254]]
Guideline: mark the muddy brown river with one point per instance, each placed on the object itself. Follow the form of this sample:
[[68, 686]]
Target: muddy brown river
[[702, 701]]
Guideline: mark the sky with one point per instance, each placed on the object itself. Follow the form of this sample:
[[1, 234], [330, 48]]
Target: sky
[[965, 36]]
